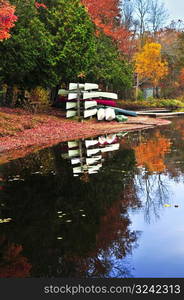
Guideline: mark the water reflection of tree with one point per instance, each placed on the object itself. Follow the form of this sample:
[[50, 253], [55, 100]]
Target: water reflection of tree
[[93, 230], [153, 189], [175, 159], [13, 263], [151, 153], [150, 181], [114, 241]]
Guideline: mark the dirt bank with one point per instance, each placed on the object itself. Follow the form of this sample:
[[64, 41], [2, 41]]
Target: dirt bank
[[53, 128]]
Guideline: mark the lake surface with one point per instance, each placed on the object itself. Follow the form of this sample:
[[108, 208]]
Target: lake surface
[[108, 206]]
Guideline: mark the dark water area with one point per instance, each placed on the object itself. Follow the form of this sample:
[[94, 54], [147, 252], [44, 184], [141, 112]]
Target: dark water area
[[110, 206]]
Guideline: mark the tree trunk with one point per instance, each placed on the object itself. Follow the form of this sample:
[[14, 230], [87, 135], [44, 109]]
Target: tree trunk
[[54, 93], [14, 96], [9, 96], [156, 92]]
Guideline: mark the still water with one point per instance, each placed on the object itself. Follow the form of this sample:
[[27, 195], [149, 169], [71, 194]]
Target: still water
[[108, 206]]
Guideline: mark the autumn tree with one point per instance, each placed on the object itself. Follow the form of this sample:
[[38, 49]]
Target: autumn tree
[[172, 41], [149, 64], [106, 15], [7, 19]]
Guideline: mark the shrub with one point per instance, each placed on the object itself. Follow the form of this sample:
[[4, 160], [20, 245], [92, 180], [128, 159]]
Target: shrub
[[37, 100], [152, 103]]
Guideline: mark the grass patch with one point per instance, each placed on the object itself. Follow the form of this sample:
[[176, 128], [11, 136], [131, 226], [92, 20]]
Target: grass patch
[[152, 103]]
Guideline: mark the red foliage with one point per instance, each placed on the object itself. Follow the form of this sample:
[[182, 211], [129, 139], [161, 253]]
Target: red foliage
[[7, 19], [106, 16], [13, 263], [38, 5]]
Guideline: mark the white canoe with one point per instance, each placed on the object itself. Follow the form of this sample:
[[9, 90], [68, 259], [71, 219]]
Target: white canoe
[[71, 113], [89, 143], [75, 161], [77, 170], [72, 96], [95, 168], [90, 112], [74, 86], [90, 95], [87, 113], [110, 114], [92, 160], [92, 151], [101, 114], [112, 147], [73, 153], [70, 105], [86, 86], [88, 104], [73, 144]]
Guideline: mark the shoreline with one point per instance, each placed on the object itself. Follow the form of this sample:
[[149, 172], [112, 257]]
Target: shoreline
[[56, 129]]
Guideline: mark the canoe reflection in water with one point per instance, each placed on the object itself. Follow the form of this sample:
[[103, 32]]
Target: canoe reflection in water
[[87, 155]]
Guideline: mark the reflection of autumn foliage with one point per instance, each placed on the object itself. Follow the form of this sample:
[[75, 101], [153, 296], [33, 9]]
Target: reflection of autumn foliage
[[13, 264], [114, 239], [179, 126], [151, 154], [114, 229]]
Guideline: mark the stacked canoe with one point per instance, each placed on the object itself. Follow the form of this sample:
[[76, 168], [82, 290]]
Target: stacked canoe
[[85, 100]]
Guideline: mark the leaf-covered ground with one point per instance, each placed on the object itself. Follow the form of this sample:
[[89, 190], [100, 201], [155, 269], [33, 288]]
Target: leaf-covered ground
[[22, 132]]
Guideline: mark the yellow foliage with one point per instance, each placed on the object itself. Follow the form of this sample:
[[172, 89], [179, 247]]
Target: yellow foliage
[[149, 64], [40, 95]]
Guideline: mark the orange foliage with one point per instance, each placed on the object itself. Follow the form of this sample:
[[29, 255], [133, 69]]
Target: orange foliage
[[151, 154], [106, 16], [181, 77], [179, 126]]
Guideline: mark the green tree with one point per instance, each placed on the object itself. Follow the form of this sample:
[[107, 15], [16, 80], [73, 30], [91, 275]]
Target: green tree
[[109, 67], [48, 46], [73, 37], [26, 59]]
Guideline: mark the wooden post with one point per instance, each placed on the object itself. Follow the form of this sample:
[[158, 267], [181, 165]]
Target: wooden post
[[80, 153], [78, 102], [137, 87]]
